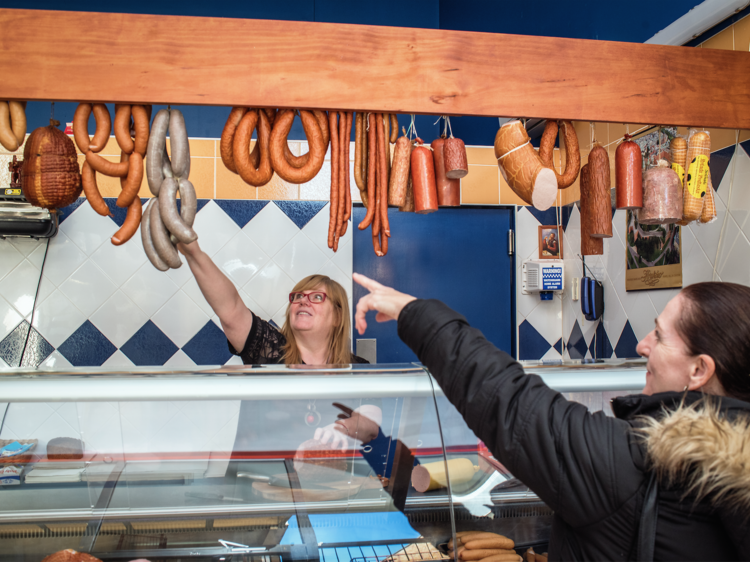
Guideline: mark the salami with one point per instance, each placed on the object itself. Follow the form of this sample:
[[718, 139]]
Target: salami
[[590, 246], [599, 193], [628, 177], [448, 190], [423, 179]]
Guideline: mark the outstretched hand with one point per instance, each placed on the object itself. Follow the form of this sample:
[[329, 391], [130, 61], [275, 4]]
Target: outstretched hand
[[386, 301]]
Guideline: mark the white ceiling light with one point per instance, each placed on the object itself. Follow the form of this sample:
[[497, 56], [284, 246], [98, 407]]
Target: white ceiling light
[[701, 18]]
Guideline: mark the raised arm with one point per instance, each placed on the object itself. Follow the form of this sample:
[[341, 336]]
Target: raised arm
[[221, 294]]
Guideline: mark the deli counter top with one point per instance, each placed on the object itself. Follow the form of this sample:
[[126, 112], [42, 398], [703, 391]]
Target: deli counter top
[[230, 463]]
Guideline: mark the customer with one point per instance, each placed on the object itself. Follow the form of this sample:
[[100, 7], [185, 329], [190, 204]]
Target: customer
[[316, 331], [690, 427]]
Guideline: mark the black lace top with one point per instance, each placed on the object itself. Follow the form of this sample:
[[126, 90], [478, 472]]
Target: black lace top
[[265, 345]]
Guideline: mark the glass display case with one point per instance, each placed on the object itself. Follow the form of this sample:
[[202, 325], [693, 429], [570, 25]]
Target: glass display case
[[364, 463]]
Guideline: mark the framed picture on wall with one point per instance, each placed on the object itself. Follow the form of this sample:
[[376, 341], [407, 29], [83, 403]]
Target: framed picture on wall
[[653, 254], [550, 243]]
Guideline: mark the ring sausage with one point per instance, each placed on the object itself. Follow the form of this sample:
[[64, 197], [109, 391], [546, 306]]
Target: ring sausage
[[7, 138], [241, 153], [188, 201], [334, 197], [91, 190], [122, 128], [160, 237], [178, 142], [103, 128], [132, 184], [169, 215], [156, 151], [104, 166], [130, 225], [227, 137], [18, 119], [317, 152], [573, 154], [299, 161], [140, 125], [80, 127], [148, 245]]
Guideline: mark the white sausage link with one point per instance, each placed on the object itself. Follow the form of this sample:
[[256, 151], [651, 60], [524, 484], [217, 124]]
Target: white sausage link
[[189, 205], [178, 142], [157, 144], [148, 245], [169, 214], [160, 237]]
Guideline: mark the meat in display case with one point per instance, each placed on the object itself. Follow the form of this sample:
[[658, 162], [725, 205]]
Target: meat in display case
[[362, 463]]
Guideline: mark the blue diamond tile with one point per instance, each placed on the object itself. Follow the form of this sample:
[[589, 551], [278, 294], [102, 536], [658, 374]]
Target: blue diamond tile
[[544, 217], [65, 212], [241, 212], [531, 344], [567, 210], [208, 346], [626, 344], [201, 203], [719, 163], [559, 346], [600, 347], [746, 146], [301, 212], [87, 347], [22, 348], [577, 343], [149, 346]]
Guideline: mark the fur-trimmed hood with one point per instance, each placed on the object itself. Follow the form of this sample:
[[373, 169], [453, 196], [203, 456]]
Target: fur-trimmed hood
[[703, 449]]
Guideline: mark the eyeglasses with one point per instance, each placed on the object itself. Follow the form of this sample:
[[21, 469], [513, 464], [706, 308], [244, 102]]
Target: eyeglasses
[[312, 298]]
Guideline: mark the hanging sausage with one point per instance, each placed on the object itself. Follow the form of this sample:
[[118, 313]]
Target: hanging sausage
[[628, 176]]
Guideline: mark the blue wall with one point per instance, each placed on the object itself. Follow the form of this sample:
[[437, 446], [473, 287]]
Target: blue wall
[[633, 21]]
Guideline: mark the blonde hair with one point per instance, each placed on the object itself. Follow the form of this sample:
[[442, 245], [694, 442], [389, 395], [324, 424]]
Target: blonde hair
[[339, 350]]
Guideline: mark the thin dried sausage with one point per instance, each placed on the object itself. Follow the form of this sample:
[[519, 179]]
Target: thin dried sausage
[[334, 197], [394, 128], [343, 150], [371, 168], [383, 146], [359, 142], [347, 175], [279, 134], [130, 225]]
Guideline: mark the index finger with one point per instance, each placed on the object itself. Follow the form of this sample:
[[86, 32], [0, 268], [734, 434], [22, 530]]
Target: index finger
[[345, 409], [366, 282]]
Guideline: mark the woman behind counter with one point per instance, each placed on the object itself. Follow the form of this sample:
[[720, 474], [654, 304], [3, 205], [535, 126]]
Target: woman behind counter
[[675, 461], [316, 331]]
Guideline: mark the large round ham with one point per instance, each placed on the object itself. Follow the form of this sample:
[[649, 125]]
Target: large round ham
[[662, 196]]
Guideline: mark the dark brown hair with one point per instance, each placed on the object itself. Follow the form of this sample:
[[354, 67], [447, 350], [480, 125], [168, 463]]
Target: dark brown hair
[[716, 321]]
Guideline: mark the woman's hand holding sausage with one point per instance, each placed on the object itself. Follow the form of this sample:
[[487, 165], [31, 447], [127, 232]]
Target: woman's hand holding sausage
[[386, 301]]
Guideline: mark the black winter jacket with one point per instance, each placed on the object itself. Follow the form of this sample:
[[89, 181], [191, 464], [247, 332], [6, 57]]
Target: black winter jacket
[[591, 469]]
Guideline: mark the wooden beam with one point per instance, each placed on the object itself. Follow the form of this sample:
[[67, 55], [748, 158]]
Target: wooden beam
[[83, 56]]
